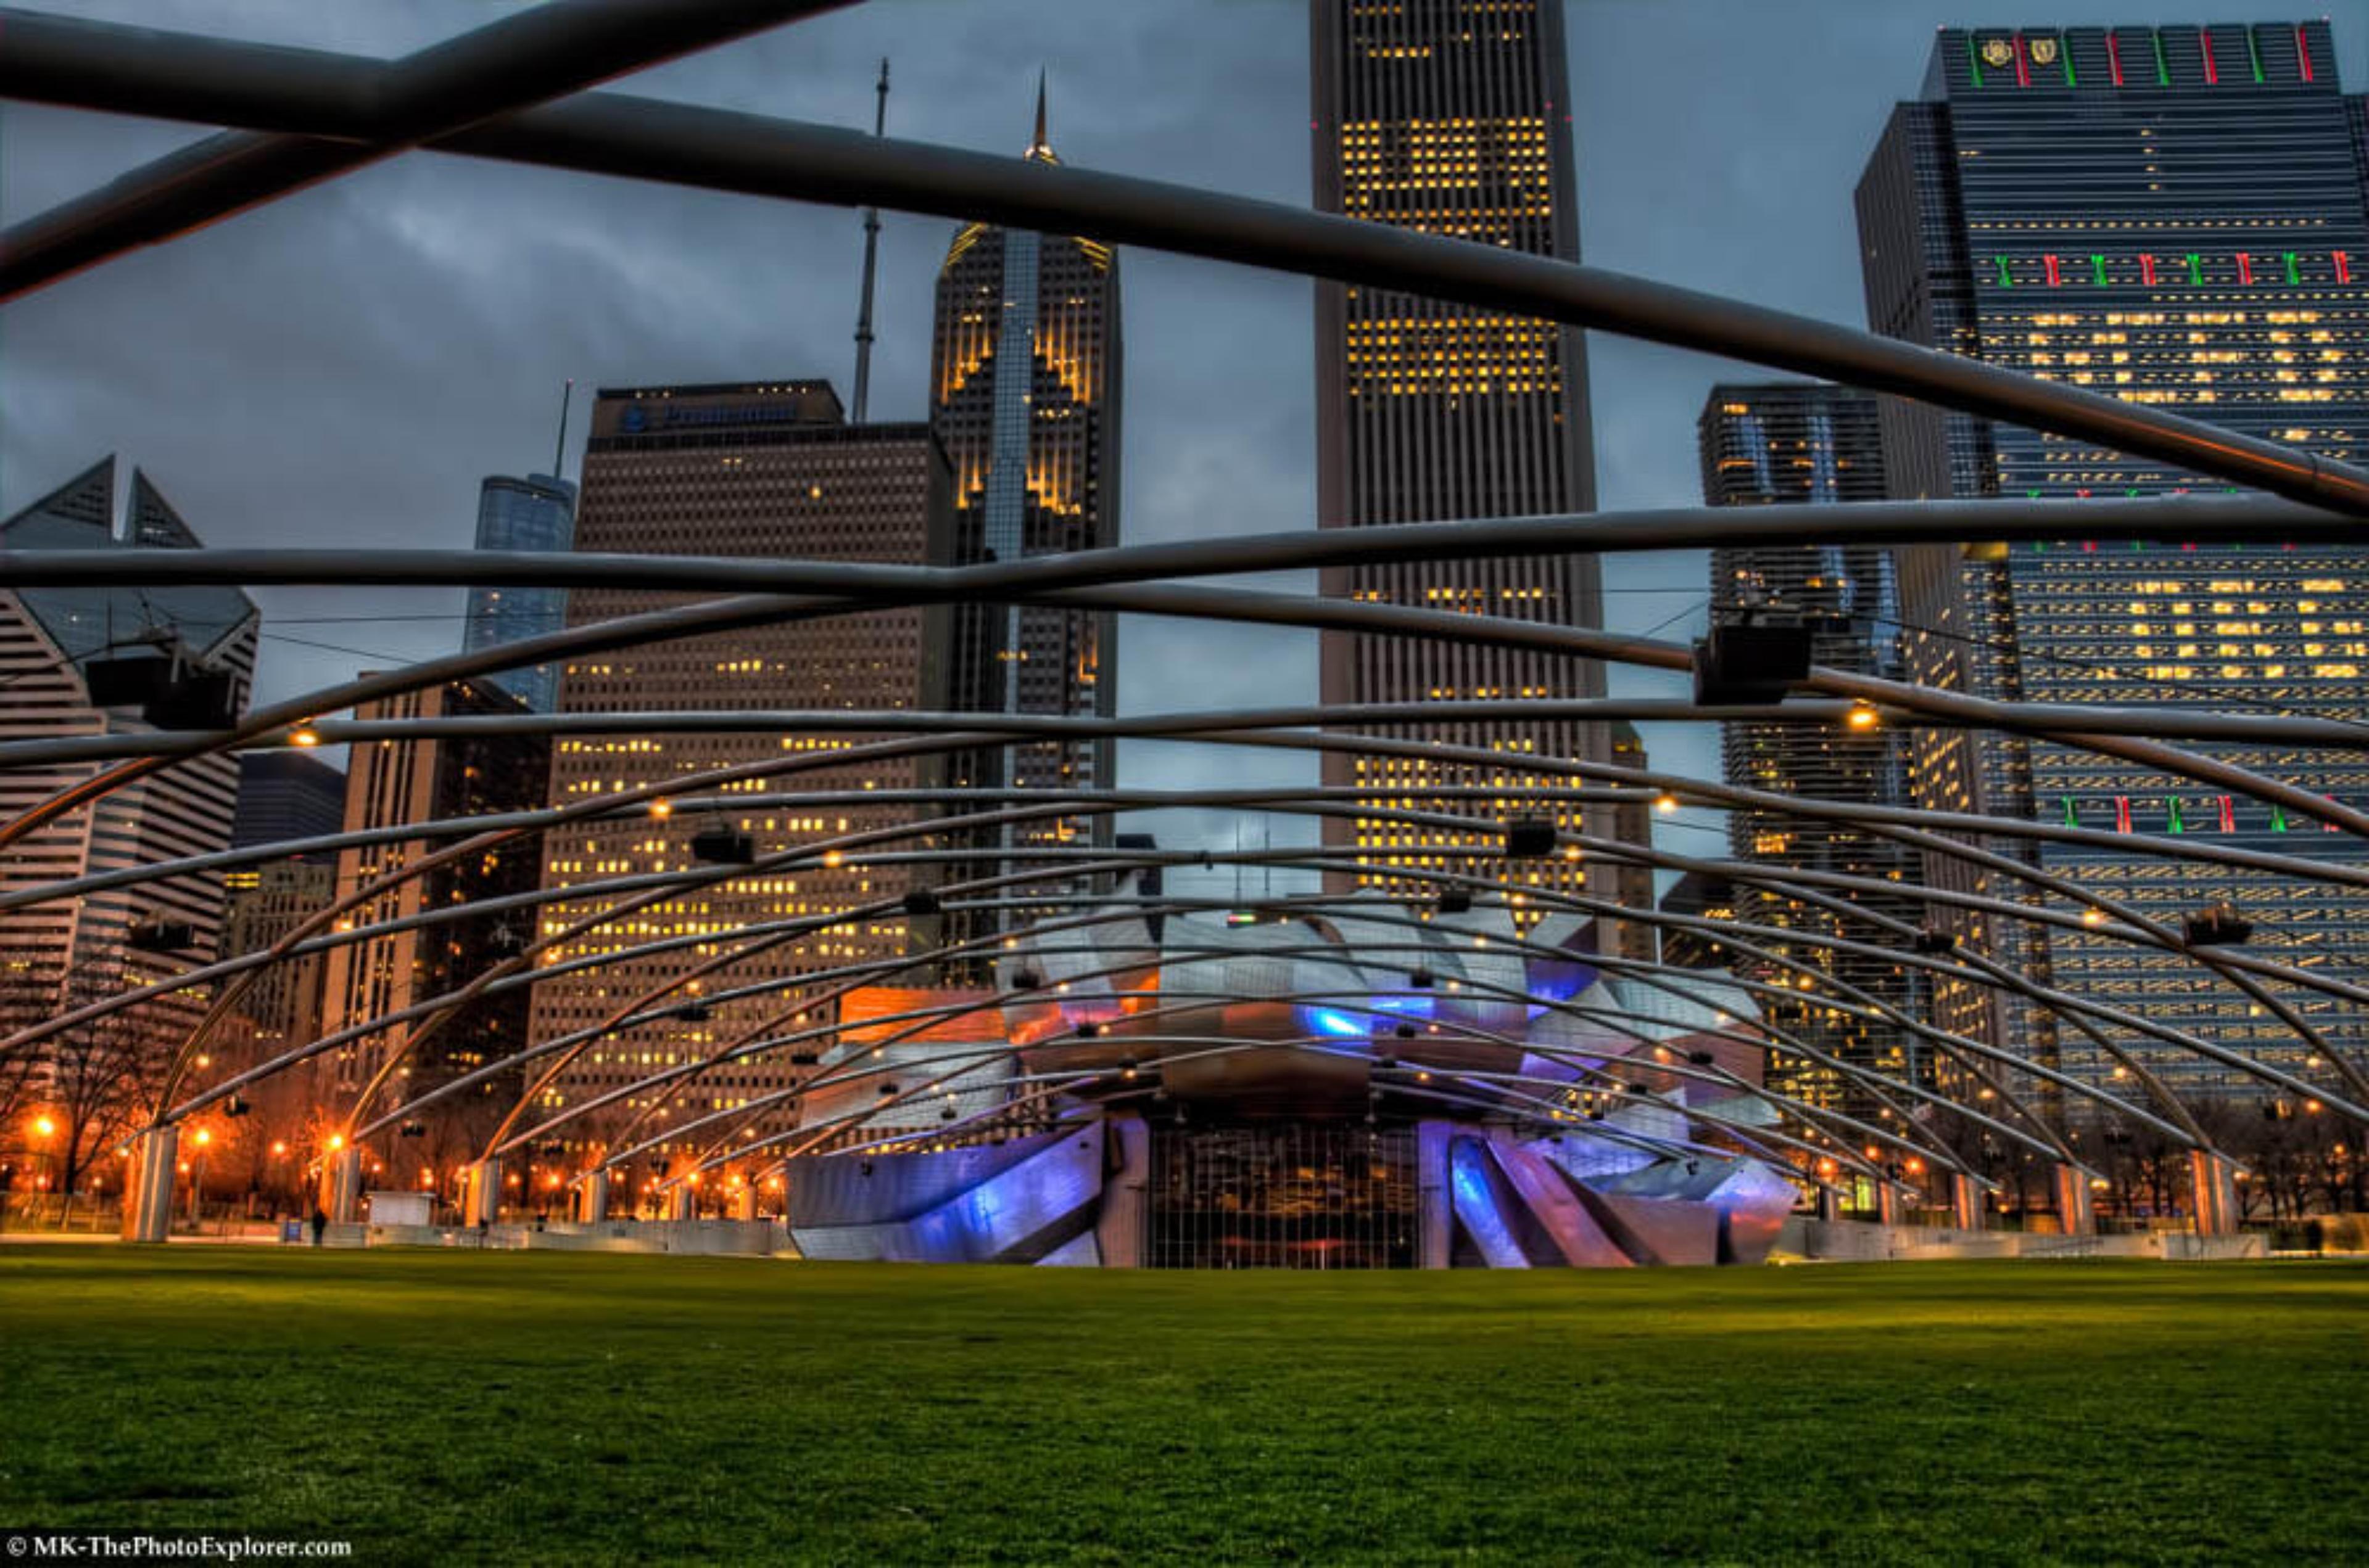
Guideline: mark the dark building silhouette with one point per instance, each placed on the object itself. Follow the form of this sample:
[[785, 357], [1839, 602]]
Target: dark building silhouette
[[1697, 896], [1805, 443], [284, 795], [1451, 119], [2174, 216], [394, 783]]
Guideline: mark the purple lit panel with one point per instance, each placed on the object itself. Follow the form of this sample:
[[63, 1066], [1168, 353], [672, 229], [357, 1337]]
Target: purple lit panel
[[1014, 1215], [1481, 1207], [1556, 1207]]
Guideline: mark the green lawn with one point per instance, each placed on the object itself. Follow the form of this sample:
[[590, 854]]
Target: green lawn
[[463, 1406]]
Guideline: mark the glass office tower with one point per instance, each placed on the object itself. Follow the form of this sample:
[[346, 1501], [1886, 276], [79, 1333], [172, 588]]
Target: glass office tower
[[1806, 443], [2172, 215], [537, 512]]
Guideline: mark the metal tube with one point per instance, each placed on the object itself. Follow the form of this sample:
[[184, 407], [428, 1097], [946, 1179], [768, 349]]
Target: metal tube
[[2203, 518], [719, 150], [546, 51]]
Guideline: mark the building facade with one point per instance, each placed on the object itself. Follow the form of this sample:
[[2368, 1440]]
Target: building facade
[[1804, 443], [262, 904], [537, 512], [1450, 117], [1629, 883], [390, 782], [104, 661], [284, 795], [1026, 378], [2175, 216], [765, 469]]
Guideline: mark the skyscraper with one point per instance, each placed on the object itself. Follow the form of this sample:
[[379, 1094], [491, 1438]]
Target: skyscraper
[[1451, 116], [748, 469], [390, 783], [261, 904], [537, 512], [2172, 215], [1026, 390], [118, 661], [284, 795], [113, 662], [1803, 443]]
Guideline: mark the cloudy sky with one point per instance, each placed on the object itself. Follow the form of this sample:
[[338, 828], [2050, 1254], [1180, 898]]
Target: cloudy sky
[[343, 367]]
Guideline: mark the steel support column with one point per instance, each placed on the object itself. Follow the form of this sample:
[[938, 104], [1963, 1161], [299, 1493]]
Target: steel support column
[[148, 1194], [1966, 1209], [341, 1185], [593, 1198], [2212, 1194], [2076, 1214], [481, 1199]]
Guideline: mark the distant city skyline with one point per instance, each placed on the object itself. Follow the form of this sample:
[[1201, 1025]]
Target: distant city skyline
[[1716, 147]]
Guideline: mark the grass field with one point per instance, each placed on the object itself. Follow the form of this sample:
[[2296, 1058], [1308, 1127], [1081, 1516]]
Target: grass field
[[463, 1406]]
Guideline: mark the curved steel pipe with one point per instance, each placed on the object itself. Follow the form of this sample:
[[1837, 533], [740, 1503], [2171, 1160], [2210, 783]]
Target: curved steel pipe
[[715, 149]]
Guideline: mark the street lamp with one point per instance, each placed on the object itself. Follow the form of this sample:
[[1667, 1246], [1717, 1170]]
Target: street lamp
[[200, 1140], [43, 1130]]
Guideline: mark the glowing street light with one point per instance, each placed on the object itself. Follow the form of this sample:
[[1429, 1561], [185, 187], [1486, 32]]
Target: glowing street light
[[1862, 716]]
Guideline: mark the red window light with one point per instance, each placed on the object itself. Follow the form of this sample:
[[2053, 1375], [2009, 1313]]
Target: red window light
[[2114, 57], [2022, 65], [2303, 52], [2146, 271], [2343, 267], [2122, 814], [2054, 278], [2246, 266], [2228, 816], [2212, 72]]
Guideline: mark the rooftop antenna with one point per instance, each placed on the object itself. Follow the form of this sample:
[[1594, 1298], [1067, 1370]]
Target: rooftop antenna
[[559, 452], [871, 262]]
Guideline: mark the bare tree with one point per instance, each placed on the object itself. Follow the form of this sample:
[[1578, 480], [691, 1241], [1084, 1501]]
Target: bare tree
[[100, 1078]]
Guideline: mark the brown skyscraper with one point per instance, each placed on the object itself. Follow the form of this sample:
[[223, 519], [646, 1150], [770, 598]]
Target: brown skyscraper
[[736, 470], [392, 782], [1024, 378], [1451, 116]]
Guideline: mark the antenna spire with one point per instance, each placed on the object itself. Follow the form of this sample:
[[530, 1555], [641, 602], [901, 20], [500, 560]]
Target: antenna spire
[[559, 452], [871, 262], [1040, 145]]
